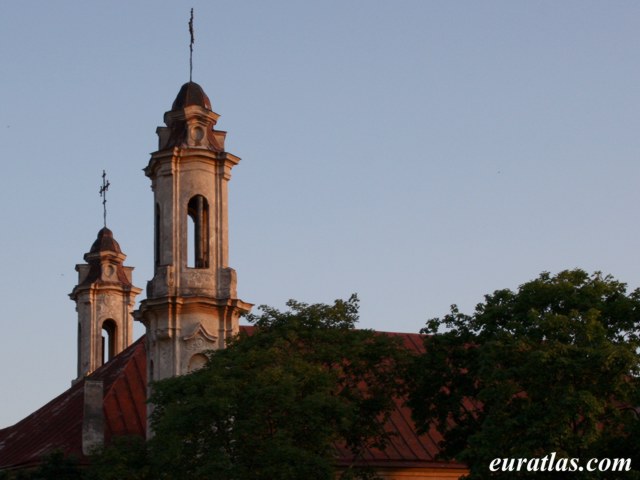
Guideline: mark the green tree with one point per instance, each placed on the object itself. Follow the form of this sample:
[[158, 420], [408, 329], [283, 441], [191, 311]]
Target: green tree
[[280, 402], [55, 466], [58, 466], [125, 458], [552, 367]]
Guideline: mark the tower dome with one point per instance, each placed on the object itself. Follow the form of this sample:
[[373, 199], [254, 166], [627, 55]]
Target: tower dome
[[105, 242], [191, 94], [191, 122]]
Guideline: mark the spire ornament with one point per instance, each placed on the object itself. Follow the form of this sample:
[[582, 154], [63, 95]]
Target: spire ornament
[[191, 46], [103, 193]]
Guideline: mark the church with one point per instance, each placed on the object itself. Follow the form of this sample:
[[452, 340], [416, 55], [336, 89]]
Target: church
[[191, 306]]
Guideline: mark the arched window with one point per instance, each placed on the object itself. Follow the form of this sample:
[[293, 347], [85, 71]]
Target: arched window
[[109, 329], [198, 233], [156, 244]]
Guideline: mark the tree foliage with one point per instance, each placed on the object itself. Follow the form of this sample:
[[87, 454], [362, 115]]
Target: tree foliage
[[280, 402], [552, 367], [127, 457], [55, 466]]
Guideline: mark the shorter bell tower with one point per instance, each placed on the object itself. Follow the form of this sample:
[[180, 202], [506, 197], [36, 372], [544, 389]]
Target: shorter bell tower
[[105, 297]]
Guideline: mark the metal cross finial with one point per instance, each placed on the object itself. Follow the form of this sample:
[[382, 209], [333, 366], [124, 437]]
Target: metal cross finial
[[191, 46], [103, 194]]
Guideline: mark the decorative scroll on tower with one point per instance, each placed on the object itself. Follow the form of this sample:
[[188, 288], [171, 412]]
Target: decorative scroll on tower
[[191, 304]]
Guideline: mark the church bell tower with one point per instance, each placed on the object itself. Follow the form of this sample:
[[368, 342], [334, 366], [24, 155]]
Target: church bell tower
[[191, 304], [104, 298]]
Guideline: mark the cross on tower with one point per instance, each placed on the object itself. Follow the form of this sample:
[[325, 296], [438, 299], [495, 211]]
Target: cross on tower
[[191, 46], [103, 194]]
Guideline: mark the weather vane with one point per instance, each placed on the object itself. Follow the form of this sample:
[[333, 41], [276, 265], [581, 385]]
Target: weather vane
[[191, 46], [103, 194]]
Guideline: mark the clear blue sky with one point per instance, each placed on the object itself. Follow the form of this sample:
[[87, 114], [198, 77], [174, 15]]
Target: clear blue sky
[[417, 153]]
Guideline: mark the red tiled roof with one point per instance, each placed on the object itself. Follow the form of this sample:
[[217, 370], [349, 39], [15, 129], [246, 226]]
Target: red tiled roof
[[58, 424], [125, 403]]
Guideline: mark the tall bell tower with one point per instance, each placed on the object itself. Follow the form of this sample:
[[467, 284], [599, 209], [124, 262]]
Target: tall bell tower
[[191, 304]]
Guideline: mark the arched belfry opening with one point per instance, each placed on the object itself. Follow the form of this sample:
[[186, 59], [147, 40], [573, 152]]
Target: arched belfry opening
[[198, 232], [109, 335]]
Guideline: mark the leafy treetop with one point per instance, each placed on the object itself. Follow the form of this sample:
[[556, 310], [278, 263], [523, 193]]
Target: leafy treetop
[[285, 401], [552, 367]]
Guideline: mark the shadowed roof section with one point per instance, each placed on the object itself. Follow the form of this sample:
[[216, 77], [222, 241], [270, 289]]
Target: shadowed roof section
[[405, 448], [58, 425]]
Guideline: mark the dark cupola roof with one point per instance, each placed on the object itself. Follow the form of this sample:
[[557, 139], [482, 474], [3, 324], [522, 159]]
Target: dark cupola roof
[[105, 242], [105, 256], [191, 94]]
